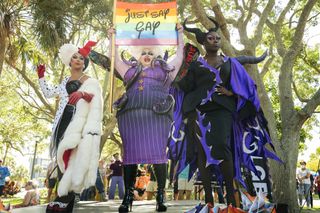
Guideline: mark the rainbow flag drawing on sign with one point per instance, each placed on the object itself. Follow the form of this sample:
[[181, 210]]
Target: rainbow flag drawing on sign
[[146, 24]]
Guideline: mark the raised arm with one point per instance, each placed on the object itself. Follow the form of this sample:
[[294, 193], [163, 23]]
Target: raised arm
[[47, 90], [178, 59], [120, 66], [252, 59], [102, 61]]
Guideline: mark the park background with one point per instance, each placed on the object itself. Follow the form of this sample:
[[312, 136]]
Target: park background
[[31, 32]]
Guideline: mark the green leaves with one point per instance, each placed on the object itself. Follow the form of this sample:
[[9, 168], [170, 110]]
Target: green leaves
[[49, 23]]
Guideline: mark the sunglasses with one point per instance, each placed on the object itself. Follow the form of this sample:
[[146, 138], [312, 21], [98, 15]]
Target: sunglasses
[[147, 53], [211, 38]]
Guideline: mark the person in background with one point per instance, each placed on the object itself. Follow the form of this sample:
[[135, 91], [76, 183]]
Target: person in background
[[51, 179], [184, 185], [116, 178], [88, 194], [100, 196], [32, 197], [152, 184], [4, 172], [10, 188], [101, 181], [2, 207], [311, 190], [141, 185], [108, 175], [102, 171], [317, 183], [303, 175]]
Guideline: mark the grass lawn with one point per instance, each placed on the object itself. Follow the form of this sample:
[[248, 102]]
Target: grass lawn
[[12, 200], [316, 208], [305, 210], [18, 200]]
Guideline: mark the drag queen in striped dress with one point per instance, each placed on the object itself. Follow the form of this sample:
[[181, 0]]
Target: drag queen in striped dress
[[144, 122]]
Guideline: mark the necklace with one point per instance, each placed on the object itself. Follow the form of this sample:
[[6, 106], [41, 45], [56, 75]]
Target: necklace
[[81, 76], [78, 78]]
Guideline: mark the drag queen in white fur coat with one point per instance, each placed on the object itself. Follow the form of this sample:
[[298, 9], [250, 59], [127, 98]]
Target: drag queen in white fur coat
[[77, 126]]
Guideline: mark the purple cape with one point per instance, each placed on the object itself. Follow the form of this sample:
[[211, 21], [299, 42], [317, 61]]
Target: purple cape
[[250, 135]]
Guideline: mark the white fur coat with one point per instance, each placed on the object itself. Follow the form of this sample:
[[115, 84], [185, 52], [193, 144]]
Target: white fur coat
[[83, 137]]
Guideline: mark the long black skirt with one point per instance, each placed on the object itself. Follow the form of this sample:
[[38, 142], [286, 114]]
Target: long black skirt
[[218, 139]]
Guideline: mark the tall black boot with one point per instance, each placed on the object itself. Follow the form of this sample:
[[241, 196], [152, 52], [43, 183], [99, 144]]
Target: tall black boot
[[130, 173], [205, 174], [160, 171], [233, 196]]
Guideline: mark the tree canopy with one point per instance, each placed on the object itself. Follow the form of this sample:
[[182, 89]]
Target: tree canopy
[[31, 31]]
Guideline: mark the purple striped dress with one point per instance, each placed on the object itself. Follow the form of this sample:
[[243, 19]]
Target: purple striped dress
[[144, 133]]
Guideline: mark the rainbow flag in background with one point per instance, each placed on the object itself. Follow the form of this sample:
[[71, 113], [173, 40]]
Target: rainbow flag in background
[[146, 24]]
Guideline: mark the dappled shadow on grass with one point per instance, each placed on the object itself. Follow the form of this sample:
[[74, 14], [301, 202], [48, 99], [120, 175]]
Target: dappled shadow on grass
[[17, 200], [11, 200]]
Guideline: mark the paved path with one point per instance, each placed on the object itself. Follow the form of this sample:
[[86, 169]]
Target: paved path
[[112, 206]]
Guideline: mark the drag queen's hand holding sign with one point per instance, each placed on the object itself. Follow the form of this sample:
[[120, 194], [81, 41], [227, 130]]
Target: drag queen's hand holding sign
[[145, 113]]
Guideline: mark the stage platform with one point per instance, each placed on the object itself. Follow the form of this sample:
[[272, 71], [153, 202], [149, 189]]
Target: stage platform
[[112, 206]]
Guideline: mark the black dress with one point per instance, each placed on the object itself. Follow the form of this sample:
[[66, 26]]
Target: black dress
[[218, 111], [69, 110], [65, 203]]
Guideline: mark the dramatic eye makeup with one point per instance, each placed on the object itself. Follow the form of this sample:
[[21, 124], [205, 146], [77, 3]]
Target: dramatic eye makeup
[[78, 57], [147, 53], [210, 37]]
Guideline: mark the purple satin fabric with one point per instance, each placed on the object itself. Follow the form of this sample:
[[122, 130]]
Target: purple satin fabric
[[250, 135]]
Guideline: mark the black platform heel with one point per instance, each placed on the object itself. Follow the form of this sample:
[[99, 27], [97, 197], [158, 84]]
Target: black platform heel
[[126, 205], [129, 176], [160, 171], [160, 202]]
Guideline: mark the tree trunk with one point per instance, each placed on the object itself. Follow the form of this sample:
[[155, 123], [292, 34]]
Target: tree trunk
[[5, 153], [284, 175], [111, 123], [3, 47]]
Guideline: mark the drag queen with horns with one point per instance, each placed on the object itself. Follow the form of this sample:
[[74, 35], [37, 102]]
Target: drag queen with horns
[[225, 125]]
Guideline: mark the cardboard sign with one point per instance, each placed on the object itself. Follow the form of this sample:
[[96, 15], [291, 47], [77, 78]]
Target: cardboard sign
[[146, 24]]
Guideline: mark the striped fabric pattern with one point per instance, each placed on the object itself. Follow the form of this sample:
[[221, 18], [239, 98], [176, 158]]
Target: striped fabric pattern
[[144, 136], [144, 133]]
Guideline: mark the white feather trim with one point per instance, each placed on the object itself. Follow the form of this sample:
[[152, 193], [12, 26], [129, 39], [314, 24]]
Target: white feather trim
[[83, 161], [66, 52], [65, 183], [82, 166], [94, 162]]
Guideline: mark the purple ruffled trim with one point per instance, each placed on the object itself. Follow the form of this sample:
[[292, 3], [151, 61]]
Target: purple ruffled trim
[[217, 80], [202, 139]]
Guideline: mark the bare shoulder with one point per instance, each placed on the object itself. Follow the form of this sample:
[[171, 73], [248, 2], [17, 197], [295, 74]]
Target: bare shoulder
[[84, 78]]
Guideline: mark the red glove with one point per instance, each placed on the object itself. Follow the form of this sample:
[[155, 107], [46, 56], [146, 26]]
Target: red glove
[[76, 96], [87, 97], [41, 68]]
